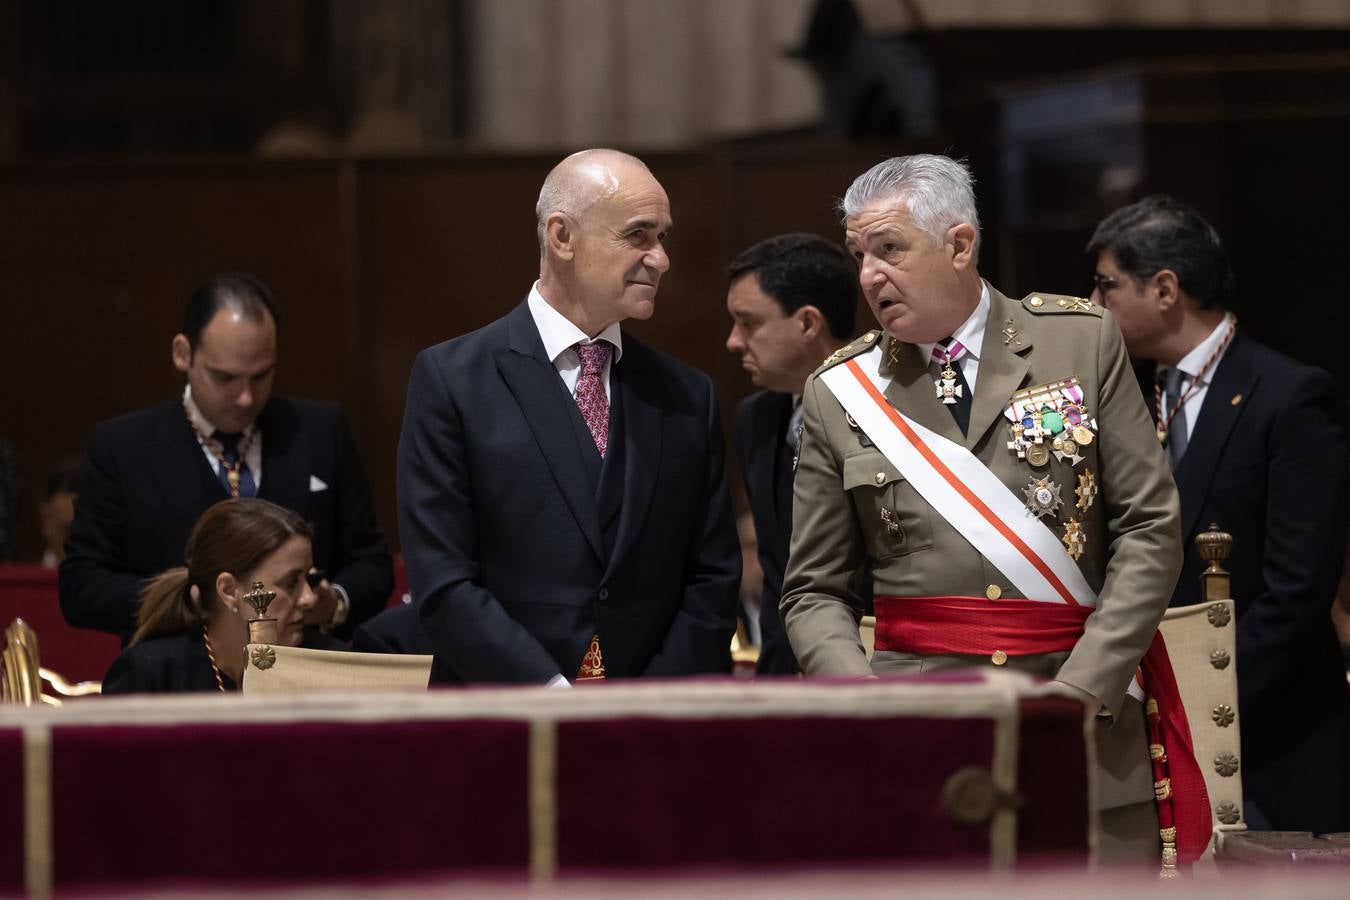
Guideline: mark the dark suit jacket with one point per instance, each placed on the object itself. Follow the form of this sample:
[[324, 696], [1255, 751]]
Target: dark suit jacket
[[172, 664], [520, 543], [145, 482], [1266, 462], [760, 433]]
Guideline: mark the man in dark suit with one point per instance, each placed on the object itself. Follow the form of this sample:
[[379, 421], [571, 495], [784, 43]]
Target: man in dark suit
[[562, 497], [149, 475], [1257, 447], [792, 301]]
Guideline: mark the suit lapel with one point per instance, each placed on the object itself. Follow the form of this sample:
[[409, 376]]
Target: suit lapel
[[1235, 375], [533, 381], [1003, 366], [184, 477], [285, 474], [640, 385]]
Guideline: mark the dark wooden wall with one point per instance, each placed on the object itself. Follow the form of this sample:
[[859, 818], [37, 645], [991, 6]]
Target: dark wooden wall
[[371, 261]]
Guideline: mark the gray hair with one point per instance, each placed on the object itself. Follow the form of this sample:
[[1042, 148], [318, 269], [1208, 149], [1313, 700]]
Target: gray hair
[[938, 192], [575, 184]]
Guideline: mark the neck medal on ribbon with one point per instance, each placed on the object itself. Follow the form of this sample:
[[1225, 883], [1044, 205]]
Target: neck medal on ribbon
[[1050, 418], [947, 388]]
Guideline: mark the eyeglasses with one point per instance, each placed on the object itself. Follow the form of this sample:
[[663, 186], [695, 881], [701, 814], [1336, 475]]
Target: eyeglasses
[[1103, 283]]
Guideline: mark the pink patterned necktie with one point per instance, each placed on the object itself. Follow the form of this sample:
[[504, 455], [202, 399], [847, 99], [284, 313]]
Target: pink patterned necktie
[[591, 399]]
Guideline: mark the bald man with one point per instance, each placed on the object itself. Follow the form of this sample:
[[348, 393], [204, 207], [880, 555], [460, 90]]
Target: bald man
[[562, 498]]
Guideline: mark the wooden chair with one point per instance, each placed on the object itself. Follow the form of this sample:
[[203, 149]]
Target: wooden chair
[[1201, 643], [22, 676], [272, 669]]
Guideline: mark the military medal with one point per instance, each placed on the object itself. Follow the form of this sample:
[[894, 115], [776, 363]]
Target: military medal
[[1042, 497], [947, 388], [1086, 491], [1074, 539], [1066, 450], [891, 523], [863, 439], [1052, 413]]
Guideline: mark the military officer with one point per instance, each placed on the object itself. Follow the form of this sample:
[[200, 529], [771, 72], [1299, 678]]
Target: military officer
[[992, 465]]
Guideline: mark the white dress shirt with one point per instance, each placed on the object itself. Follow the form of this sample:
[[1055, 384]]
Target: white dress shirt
[[252, 456], [560, 336], [971, 336], [1190, 364]]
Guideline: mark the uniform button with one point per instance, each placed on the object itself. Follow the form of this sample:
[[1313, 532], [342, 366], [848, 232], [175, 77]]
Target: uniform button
[[999, 658], [993, 592], [868, 338], [1037, 302], [881, 478], [602, 594]]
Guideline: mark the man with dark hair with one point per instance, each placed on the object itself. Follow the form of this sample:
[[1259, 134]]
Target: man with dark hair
[[149, 475], [1256, 445], [562, 495], [792, 301]]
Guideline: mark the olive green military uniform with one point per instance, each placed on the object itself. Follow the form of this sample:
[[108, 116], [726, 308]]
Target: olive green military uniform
[[1130, 552]]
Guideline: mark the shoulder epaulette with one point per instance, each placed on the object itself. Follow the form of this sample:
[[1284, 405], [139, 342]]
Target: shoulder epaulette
[[852, 349], [1056, 303]]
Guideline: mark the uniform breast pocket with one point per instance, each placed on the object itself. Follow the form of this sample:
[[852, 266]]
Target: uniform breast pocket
[[892, 515]]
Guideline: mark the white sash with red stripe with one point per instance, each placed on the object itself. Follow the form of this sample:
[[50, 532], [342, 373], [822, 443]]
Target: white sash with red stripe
[[960, 488]]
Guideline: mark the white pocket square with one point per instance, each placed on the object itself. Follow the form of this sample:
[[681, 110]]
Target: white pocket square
[[316, 484]]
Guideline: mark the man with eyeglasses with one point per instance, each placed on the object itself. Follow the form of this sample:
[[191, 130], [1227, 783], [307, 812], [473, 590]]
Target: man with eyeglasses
[[1256, 445]]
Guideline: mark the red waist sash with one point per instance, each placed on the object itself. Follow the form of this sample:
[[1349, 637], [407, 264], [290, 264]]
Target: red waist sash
[[976, 625]]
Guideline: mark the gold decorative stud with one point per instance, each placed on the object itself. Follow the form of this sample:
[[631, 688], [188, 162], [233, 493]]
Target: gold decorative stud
[[1036, 302], [1223, 715], [1218, 615], [869, 338], [998, 657], [993, 592], [1227, 812], [1219, 659], [264, 657], [881, 478], [1226, 764]]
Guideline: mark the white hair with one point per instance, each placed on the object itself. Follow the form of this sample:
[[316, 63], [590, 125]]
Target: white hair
[[938, 192], [575, 184]]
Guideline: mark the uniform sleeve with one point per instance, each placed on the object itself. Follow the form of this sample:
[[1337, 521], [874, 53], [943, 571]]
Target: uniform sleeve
[[821, 607], [1143, 532]]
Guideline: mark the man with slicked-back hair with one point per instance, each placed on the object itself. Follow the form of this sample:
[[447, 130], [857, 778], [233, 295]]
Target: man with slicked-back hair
[[150, 474], [562, 498], [1257, 448]]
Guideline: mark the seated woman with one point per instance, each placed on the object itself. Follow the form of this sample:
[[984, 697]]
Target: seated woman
[[193, 620]]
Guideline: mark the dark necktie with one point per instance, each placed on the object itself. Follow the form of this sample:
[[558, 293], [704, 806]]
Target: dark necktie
[[591, 399], [241, 485], [1174, 381], [948, 352]]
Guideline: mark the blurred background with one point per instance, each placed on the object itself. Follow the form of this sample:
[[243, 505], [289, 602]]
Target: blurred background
[[377, 162]]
